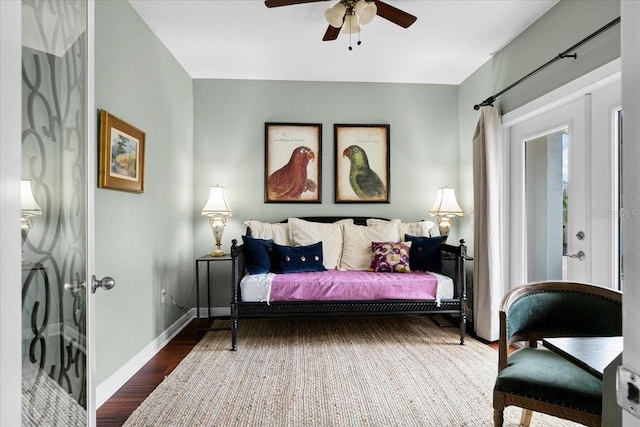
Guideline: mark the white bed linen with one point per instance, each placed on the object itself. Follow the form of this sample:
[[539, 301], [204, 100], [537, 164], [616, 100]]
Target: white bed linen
[[257, 287]]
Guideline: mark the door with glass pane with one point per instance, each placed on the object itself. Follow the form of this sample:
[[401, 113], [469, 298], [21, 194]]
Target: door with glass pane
[[550, 194], [55, 191], [564, 192], [607, 209]]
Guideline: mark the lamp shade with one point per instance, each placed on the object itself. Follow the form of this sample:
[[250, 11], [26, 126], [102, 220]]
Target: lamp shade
[[216, 203], [351, 24], [335, 14], [446, 203], [28, 204], [366, 11]]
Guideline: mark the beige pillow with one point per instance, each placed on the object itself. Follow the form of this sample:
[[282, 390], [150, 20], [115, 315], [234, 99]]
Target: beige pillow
[[419, 229], [278, 232], [304, 233], [356, 249]]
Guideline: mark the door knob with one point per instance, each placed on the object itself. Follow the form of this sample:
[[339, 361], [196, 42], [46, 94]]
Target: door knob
[[580, 255], [105, 283]]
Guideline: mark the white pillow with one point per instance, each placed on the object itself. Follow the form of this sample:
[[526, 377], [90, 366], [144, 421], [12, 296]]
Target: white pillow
[[278, 232], [304, 233], [356, 249], [419, 229]]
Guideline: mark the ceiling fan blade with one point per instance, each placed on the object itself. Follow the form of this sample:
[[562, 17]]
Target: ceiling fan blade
[[278, 3], [331, 33], [394, 14]]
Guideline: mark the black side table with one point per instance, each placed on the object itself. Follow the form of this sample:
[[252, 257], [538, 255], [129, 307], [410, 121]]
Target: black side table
[[208, 259]]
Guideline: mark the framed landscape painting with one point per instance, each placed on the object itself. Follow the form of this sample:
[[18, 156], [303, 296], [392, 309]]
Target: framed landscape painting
[[121, 165], [362, 163], [293, 163]]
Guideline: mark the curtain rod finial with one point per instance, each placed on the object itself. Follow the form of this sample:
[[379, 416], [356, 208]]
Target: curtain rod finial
[[489, 101]]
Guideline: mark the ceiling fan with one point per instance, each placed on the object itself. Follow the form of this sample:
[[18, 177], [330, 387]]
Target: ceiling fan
[[349, 14]]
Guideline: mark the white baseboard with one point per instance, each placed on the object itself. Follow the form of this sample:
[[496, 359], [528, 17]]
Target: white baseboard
[[107, 388]]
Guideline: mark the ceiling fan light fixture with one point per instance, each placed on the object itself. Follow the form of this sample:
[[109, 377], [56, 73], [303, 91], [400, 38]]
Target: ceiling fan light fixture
[[335, 14], [347, 16], [351, 25], [365, 11]]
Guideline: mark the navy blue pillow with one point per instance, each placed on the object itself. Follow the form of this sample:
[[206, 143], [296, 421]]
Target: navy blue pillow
[[425, 253], [257, 255], [297, 259]]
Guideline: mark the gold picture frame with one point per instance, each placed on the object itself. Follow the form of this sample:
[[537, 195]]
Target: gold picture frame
[[121, 151], [362, 163]]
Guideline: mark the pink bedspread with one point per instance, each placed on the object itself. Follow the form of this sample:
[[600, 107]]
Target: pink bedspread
[[335, 285]]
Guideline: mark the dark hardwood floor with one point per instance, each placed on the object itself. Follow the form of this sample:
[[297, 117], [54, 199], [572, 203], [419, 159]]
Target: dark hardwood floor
[[116, 410]]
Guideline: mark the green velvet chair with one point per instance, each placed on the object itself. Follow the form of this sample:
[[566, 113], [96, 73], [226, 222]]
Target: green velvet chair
[[537, 379]]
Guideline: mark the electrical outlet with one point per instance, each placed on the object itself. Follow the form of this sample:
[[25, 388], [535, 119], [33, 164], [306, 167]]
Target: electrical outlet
[[163, 296], [628, 390]]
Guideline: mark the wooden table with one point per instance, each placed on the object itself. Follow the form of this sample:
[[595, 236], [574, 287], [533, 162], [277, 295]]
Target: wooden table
[[600, 356], [593, 354]]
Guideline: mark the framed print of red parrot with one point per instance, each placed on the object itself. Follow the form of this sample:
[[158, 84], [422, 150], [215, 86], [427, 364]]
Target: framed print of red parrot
[[293, 162]]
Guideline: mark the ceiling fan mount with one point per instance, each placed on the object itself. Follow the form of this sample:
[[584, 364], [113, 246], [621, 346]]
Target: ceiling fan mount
[[348, 15]]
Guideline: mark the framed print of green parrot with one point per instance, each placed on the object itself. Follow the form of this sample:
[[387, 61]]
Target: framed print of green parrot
[[292, 162], [362, 163]]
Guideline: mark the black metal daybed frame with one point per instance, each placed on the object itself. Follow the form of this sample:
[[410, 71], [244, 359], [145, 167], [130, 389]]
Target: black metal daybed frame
[[244, 310]]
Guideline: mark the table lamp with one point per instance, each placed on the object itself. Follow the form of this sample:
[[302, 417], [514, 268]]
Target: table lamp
[[446, 207], [217, 209], [28, 209]]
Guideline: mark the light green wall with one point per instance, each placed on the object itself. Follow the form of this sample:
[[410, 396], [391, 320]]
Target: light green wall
[[229, 147], [144, 241], [563, 26]]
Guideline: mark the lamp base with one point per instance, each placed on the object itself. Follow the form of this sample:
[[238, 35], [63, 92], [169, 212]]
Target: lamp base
[[218, 252], [217, 226], [444, 226]]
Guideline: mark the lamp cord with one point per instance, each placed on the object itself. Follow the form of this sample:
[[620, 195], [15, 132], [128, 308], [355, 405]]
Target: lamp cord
[[181, 307]]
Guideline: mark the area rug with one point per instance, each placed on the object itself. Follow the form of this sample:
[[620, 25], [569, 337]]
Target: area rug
[[45, 403], [380, 371]]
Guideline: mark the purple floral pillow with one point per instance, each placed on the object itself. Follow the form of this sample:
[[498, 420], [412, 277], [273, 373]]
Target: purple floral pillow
[[389, 257]]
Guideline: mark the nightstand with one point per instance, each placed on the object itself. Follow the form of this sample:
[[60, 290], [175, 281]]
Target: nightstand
[[208, 259]]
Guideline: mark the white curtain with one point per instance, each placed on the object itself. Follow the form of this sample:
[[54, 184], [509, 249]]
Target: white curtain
[[487, 194]]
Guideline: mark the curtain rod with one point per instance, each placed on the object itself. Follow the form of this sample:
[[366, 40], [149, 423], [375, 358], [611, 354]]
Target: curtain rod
[[490, 100]]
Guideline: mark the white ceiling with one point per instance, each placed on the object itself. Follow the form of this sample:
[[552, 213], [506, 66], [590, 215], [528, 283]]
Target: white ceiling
[[243, 39]]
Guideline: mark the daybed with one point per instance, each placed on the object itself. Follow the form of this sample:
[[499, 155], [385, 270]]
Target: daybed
[[317, 292]]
